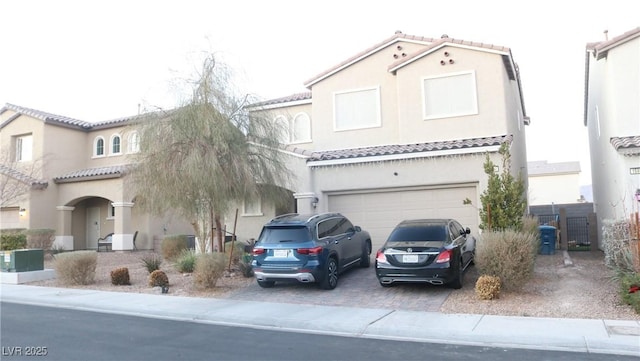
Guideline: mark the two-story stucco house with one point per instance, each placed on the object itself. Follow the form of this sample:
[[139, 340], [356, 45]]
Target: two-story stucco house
[[76, 171], [400, 130], [612, 117], [554, 183]]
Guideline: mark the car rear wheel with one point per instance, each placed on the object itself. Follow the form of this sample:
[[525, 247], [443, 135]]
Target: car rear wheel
[[266, 284], [386, 285], [365, 260], [330, 280], [457, 281]]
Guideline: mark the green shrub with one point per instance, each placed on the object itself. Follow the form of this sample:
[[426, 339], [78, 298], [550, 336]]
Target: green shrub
[[158, 278], [11, 239], [488, 287], [209, 268], [630, 290], [245, 265], [186, 261], [41, 238], [76, 268], [172, 246], [151, 262], [531, 225], [236, 254], [508, 255], [120, 276]]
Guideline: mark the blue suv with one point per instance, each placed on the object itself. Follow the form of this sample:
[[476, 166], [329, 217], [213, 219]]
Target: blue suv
[[309, 248]]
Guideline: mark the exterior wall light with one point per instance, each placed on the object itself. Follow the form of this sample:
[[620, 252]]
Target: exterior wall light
[[22, 212], [638, 194], [314, 202]]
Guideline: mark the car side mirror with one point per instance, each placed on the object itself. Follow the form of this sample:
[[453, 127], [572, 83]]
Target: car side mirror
[[467, 230], [357, 228]]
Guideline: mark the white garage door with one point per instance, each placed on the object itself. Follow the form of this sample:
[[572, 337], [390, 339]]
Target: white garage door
[[379, 212]]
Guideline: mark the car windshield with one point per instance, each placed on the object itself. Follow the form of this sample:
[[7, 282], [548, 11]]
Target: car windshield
[[285, 234], [427, 235]]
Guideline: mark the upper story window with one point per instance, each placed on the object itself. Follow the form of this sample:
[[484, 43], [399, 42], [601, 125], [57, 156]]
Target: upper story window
[[252, 207], [357, 109], [115, 144], [24, 148], [134, 143], [283, 124], [98, 147], [450, 95], [301, 128]]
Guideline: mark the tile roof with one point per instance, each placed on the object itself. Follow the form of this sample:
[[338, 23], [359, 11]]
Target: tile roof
[[45, 117], [601, 48], [399, 149], [395, 38], [70, 122], [115, 171], [24, 178], [431, 44], [626, 145], [287, 99]]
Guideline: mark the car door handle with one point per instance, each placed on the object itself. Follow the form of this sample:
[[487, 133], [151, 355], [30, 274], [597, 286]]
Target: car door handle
[[336, 242]]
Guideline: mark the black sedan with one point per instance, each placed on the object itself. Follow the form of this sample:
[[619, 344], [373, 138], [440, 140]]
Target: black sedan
[[435, 251]]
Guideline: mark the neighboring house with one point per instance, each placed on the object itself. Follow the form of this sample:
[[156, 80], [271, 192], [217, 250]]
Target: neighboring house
[[612, 116], [554, 183], [401, 130], [76, 175]]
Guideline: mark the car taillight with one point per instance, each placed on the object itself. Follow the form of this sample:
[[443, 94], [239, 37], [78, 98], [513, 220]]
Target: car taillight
[[310, 251], [257, 251], [444, 256], [381, 258]]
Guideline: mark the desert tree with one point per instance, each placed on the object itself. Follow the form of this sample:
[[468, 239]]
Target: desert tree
[[504, 201], [17, 178], [208, 154]]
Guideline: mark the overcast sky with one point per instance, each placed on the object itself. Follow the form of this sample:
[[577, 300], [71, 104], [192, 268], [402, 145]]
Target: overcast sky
[[97, 60]]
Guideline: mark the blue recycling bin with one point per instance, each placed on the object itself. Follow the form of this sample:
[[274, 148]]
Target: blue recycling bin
[[547, 240]]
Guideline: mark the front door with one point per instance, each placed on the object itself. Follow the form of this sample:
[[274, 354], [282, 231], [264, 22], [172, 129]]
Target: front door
[[93, 227]]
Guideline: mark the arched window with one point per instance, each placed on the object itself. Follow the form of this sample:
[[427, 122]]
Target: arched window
[[98, 147], [134, 143], [282, 123], [301, 129], [115, 144]]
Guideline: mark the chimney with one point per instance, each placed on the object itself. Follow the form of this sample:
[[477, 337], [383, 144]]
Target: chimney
[[606, 35]]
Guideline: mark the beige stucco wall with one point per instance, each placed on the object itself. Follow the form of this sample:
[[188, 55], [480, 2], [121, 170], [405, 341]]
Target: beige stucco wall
[[554, 189], [613, 111]]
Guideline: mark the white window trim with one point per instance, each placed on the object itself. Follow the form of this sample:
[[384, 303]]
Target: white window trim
[[441, 116], [95, 147], [283, 121], [378, 123], [258, 201], [292, 130], [130, 143], [20, 155], [111, 152]]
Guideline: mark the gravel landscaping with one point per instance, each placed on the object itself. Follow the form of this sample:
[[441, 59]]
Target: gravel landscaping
[[582, 290]]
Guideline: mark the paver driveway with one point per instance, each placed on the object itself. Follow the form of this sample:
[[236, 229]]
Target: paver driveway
[[358, 287]]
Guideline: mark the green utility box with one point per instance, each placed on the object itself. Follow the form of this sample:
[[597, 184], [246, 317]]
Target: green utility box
[[22, 260]]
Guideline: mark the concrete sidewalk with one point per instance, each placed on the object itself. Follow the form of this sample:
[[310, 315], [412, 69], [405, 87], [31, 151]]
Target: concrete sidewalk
[[578, 335]]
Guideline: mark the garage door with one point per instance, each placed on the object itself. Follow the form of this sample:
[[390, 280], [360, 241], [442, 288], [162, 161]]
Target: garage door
[[379, 212]]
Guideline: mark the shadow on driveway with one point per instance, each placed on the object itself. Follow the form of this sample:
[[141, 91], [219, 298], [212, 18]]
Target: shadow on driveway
[[358, 287]]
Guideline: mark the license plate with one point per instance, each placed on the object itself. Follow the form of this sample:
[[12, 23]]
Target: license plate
[[281, 253], [410, 258]]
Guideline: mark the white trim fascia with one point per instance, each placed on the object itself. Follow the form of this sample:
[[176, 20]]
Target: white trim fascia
[[382, 158], [499, 52]]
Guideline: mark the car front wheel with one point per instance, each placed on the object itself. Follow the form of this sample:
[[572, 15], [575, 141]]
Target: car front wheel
[[365, 260], [330, 280]]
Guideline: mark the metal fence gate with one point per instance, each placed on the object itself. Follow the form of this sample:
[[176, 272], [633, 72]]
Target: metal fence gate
[[578, 234]]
